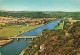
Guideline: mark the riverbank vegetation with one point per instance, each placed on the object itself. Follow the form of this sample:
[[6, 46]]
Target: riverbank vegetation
[[57, 42], [9, 31], [59, 26]]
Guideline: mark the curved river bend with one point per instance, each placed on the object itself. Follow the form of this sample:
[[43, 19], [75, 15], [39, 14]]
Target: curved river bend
[[15, 47]]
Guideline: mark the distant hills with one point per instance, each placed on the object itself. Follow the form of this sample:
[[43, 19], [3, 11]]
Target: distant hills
[[40, 14], [32, 11]]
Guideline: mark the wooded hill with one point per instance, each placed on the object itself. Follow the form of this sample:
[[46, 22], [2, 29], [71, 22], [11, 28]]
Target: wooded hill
[[56, 42], [43, 14]]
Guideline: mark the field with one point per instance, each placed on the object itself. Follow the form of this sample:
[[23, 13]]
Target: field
[[9, 31], [59, 26]]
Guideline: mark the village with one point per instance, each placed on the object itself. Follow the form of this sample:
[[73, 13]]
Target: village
[[23, 21], [20, 25]]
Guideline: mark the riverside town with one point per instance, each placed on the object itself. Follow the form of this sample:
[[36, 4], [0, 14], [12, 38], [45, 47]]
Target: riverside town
[[39, 27]]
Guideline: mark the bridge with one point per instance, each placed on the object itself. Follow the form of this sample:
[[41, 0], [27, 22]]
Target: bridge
[[21, 37]]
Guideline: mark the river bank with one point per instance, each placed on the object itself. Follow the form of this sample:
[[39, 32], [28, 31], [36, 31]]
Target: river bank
[[32, 29], [4, 42], [27, 30], [59, 24], [52, 42], [16, 47]]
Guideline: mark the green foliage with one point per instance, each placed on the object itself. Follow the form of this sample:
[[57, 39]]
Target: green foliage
[[34, 50], [57, 43], [75, 28], [67, 24], [60, 31], [30, 14], [59, 26], [58, 15], [3, 38], [9, 31]]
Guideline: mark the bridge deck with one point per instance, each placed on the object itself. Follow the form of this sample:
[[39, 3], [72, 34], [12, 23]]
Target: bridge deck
[[23, 37]]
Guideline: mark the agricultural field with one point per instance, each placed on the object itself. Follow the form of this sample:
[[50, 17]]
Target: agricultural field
[[9, 31]]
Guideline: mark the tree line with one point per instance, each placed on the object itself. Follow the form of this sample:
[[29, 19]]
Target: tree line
[[74, 15]]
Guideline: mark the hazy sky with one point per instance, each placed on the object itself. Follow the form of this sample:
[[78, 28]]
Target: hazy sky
[[40, 5]]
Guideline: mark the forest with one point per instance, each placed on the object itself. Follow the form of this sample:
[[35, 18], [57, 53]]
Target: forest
[[41, 14], [57, 41]]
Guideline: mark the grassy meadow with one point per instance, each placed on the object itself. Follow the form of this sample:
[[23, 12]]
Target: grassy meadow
[[9, 31], [59, 26]]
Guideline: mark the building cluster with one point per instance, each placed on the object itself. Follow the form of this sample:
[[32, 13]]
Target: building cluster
[[27, 21], [70, 18]]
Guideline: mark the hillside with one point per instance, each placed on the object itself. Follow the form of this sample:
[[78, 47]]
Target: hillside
[[56, 42], [40, 14]]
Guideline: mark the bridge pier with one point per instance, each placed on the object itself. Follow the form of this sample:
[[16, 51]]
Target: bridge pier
[[17, 38], [25, 38], [32, 38]]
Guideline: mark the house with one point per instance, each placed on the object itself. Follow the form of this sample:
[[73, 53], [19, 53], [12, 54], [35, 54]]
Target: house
[[69, 18], [32, 23], [2, 24], [42, 47], [5, 18]]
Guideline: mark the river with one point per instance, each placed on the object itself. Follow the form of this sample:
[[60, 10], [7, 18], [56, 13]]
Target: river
[[15, 47]]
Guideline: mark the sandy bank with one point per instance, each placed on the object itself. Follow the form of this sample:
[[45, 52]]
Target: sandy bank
[[4, 42]]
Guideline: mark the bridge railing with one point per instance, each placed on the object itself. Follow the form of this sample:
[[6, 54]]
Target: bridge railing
[[25, 37]]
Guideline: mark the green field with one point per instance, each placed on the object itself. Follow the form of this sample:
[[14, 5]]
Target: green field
[[59, 26], [9, 31]]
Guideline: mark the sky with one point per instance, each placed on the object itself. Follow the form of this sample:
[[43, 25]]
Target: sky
[[40, 5]]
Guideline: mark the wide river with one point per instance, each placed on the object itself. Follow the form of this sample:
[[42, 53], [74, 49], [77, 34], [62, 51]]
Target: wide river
[[15, 47]]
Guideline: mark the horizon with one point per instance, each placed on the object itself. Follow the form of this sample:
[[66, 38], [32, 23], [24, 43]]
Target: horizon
[[37, 11], [40, 5]]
